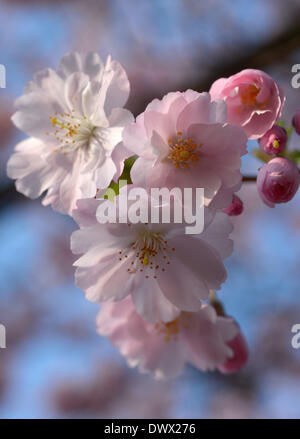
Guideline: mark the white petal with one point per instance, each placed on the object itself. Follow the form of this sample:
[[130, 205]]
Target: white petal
[[91, 64], [105, 173], [164, 359], [120, 117], [108, 138], [85, 213], [217, 234], [119, 154], [205, 346], [150, 302], [33, 112], [110, 281], [34, 175], [117, 86], [75, 84], [202, 261], [181, 286], [96, 235]]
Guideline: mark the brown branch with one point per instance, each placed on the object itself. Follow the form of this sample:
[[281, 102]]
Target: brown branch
[[258, 57], [249, 178], [269, 52], [9, 195]]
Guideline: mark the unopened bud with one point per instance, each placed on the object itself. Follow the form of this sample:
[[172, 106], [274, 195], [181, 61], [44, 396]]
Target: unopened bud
[[278, 181], [274, 140], [235, 208], [240, 355], [296, 121]]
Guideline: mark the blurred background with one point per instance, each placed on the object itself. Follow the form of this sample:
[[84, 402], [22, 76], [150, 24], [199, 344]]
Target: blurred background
[[55, 365]]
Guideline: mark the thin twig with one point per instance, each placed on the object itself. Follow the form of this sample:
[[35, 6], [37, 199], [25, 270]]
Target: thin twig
[[248, 178]]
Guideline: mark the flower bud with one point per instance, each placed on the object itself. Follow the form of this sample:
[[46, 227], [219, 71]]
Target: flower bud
[[296, 121], [235, 208], [274, 140], [278, 181], [240, 355]]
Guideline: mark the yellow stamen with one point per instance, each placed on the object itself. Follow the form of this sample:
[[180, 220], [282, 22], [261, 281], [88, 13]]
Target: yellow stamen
[[146, 258], [71, 131], [150, 254], [249, 94], [68, 127], [183, 152], [171, 330]]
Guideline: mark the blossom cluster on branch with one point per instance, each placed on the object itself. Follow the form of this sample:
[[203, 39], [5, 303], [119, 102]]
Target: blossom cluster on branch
[[156, 284]]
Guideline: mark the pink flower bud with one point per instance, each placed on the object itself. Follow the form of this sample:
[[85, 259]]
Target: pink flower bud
[[296, 121], [240, 355], [235, 208], [274, 141], [278, 181]]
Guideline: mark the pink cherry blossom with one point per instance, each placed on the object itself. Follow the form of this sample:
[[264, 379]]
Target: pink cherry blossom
[[75, 121], [278, 181], [163, 269], [253, 98], [183, 141], [198, 338]]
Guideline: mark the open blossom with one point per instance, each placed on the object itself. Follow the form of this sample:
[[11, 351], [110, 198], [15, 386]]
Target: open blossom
[[253, 98], [199, 338], [278, 181], [163, 269], [75, 119], [183, 141]]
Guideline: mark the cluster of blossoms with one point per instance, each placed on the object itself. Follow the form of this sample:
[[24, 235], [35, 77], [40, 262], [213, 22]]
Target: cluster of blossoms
[[278, 180], [155, 283]]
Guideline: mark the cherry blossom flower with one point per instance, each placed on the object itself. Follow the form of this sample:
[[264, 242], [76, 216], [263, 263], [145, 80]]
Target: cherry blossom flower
[[75, 121], [278, 181], [163, 269], [183, 141], [198, 338], [253, 98]]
